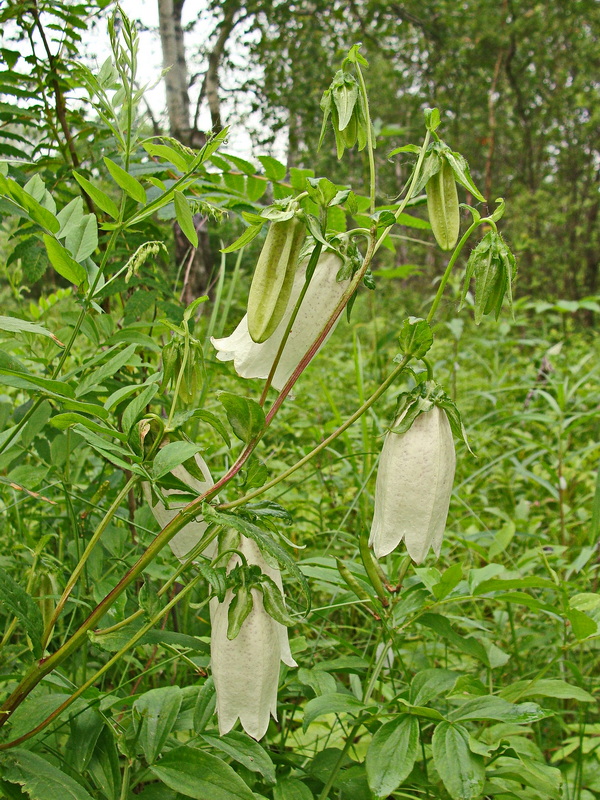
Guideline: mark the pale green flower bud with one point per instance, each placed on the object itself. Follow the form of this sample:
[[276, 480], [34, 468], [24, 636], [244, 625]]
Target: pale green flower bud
[[413, 487]]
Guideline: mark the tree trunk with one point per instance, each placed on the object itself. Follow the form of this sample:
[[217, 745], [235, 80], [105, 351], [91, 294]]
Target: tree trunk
[[198, 266], [176, 79]]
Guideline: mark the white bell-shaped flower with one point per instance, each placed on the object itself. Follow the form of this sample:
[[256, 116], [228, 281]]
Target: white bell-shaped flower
[[413, 487], [252, 360], [246, 669], [188, 537]]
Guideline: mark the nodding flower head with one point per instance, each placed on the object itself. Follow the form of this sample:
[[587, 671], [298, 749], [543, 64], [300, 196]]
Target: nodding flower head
[[413, 487], [246, 669], [254, 360]]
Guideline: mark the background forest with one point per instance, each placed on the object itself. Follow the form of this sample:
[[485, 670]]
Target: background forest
[[473, 676]]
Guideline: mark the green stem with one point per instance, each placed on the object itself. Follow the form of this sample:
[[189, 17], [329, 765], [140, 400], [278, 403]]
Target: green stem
[[186, 355], [125, 782], [371, 569], [370, 146], [340, 760], [134, 639], [350, 738], [409, 191], [21, 424], [326, 442], [451, 263], [314, 257], [43, 667], [86, 554]]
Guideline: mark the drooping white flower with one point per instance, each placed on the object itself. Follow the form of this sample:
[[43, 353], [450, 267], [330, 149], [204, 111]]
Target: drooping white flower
[[188, 537], [252, 360], [246, 669], [413, 487]]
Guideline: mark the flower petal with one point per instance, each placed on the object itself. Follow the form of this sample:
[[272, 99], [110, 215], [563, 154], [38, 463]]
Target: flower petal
[[189, 536], [246, 669], [413, 487], [252, 360]]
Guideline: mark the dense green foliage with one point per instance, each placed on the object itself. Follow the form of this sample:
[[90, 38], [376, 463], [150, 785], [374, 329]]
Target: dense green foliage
[[472, 676]]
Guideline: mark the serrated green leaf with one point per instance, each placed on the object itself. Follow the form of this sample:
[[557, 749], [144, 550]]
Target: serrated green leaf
[[246, 417]]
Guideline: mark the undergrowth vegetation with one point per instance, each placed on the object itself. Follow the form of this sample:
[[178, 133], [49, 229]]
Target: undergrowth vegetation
[[474, 675]]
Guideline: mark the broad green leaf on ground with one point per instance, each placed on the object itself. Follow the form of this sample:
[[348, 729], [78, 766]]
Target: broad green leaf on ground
[[497, 708], [41, 780], [392, 754], [291, 789], [332, 703], [245, 751], [546, 687], [199, 775], [429, 683], [158, 710], [462, 772]]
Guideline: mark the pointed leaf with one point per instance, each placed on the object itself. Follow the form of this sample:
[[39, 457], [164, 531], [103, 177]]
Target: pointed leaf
[[63, 262], [185, 218], [199, 775], [245, 416], [100, 198], [392, 754], [41, 780], [127, 182], [21, 605], [158, 709], [462, 771]]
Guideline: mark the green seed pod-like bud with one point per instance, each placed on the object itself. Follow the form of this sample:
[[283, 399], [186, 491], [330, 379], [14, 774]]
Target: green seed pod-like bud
[[442, 206], [274, 277]]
